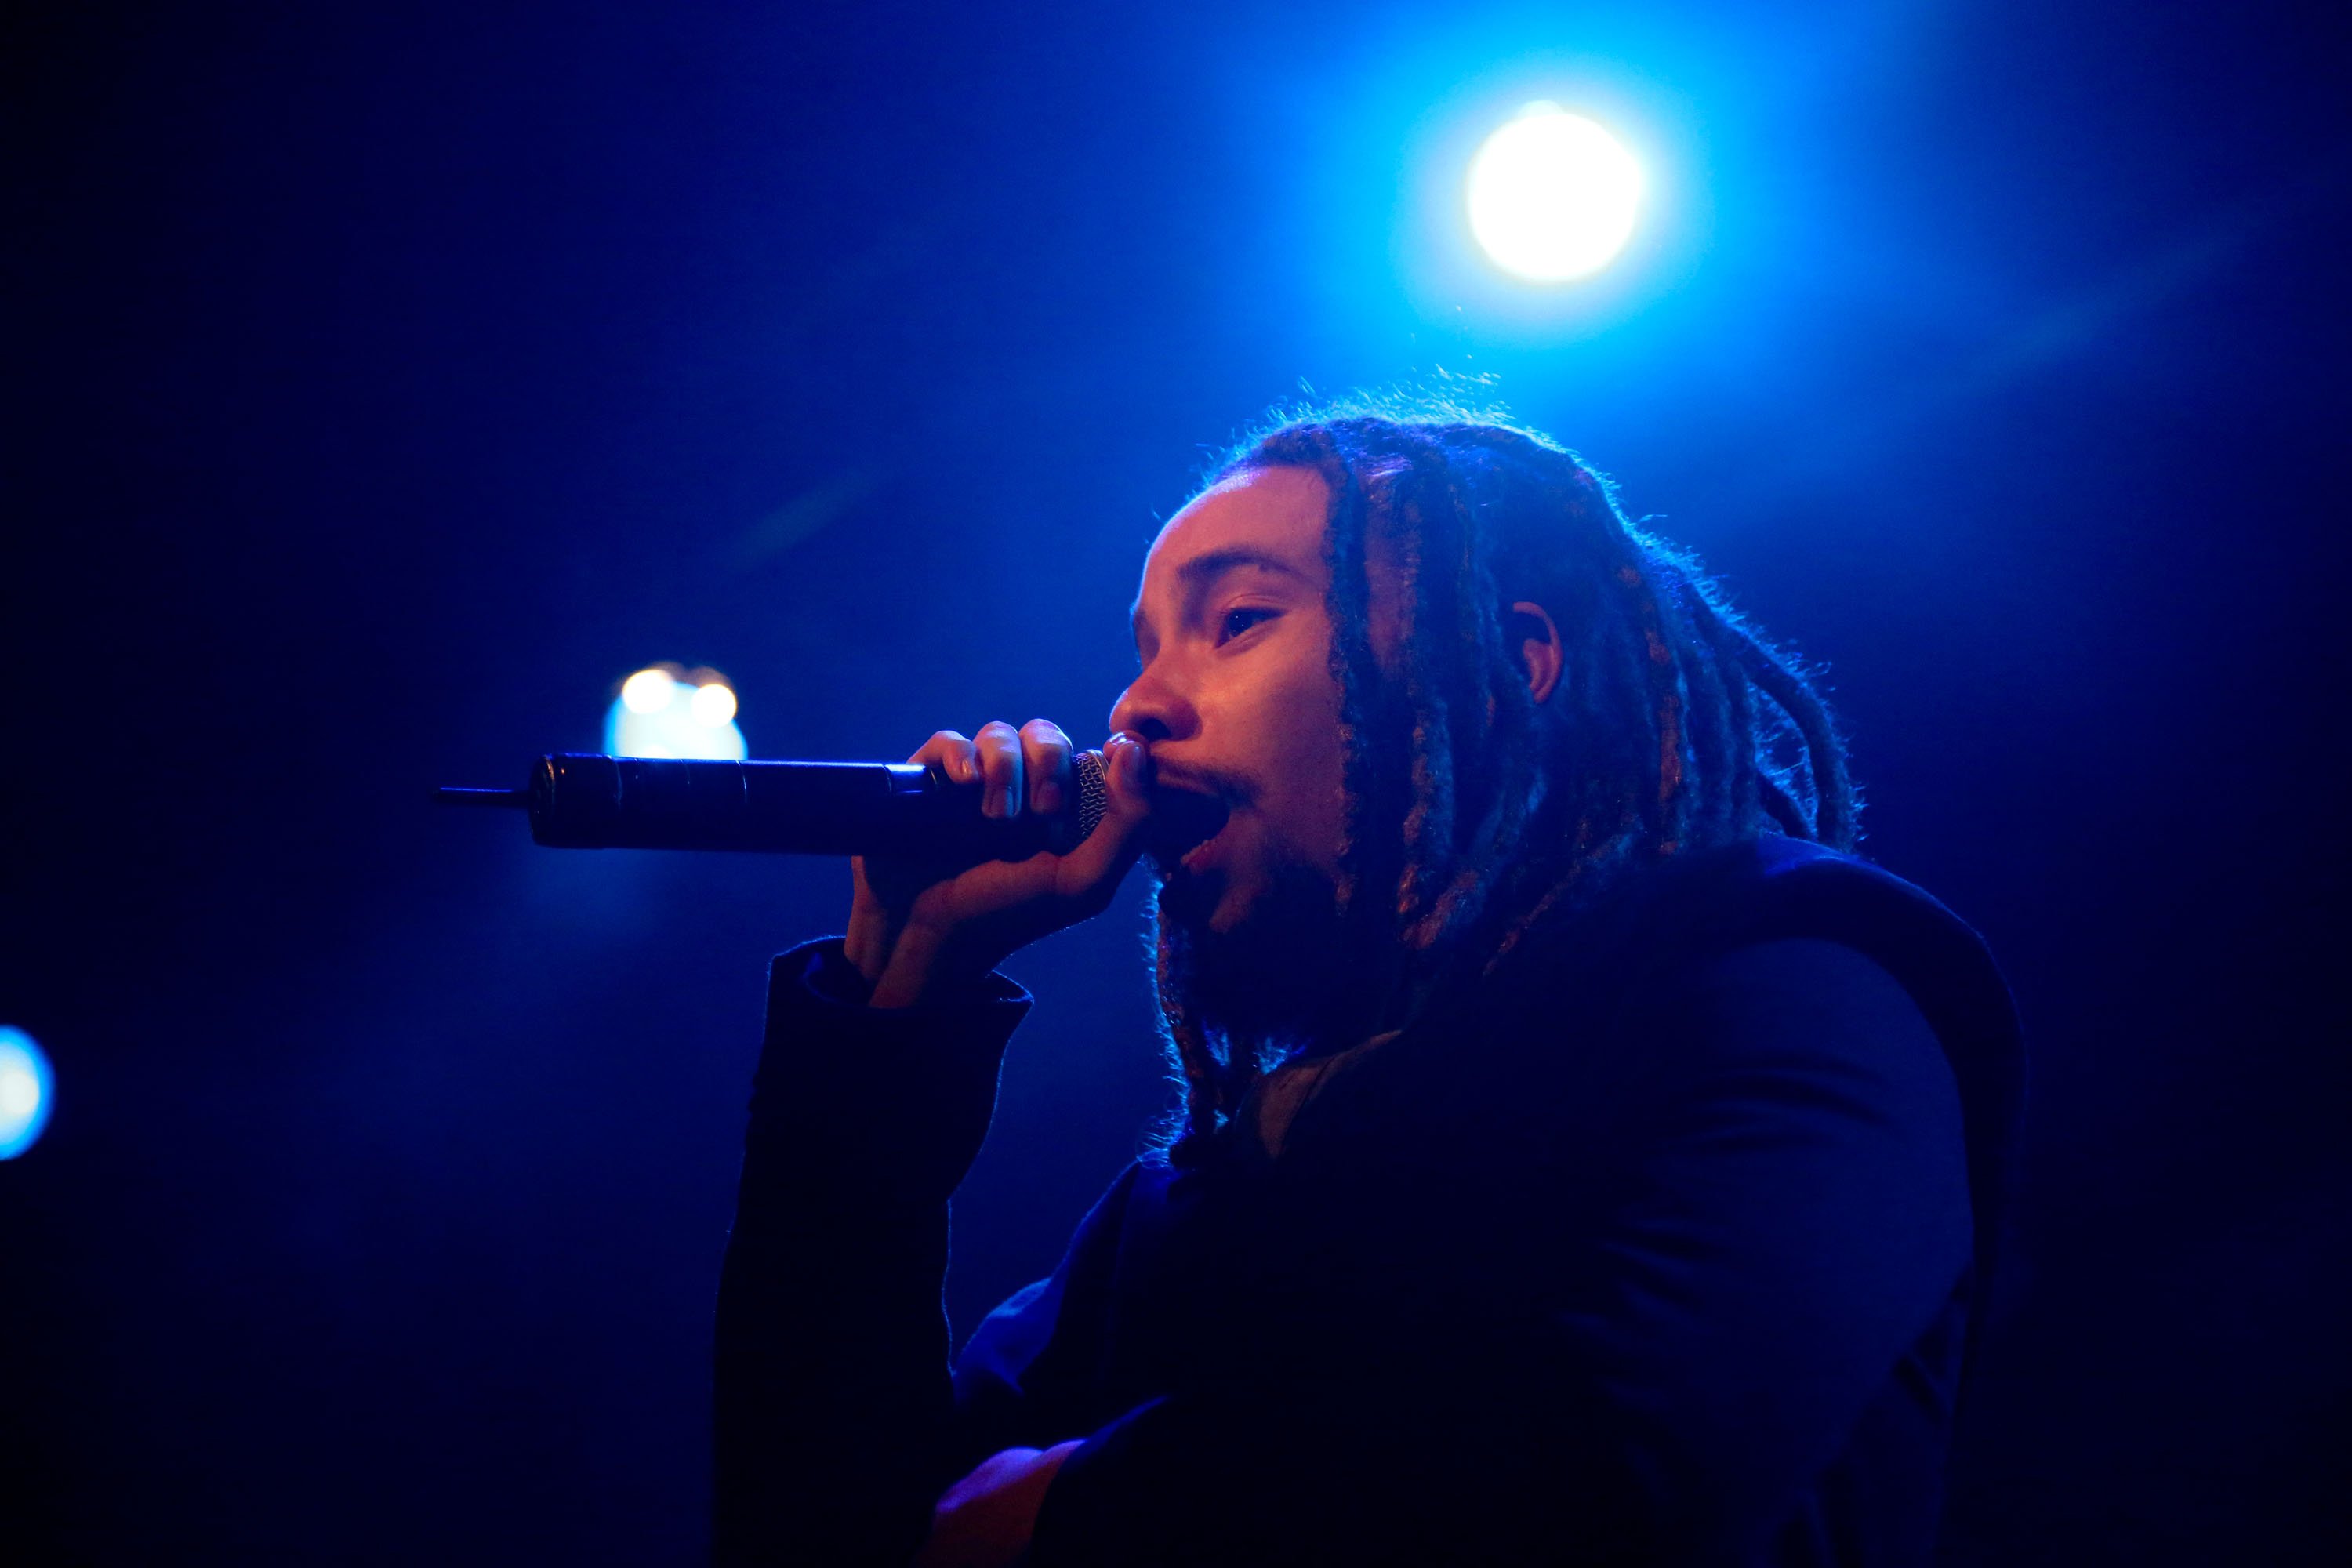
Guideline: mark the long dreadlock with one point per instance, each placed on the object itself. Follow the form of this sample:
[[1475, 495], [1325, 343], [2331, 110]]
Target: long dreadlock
[[1675, 726]]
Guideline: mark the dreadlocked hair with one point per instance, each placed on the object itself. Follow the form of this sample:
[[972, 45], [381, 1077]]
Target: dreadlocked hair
[[1472, 812]]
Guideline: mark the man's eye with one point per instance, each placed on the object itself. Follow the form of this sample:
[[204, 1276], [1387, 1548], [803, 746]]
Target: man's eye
[[1236, 622]]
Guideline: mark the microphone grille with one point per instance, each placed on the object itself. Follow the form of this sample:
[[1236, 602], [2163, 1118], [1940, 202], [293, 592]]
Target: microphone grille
[[1094, 793]]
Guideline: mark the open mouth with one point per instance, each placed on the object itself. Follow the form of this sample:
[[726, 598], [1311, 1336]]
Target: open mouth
[[1183, 820]]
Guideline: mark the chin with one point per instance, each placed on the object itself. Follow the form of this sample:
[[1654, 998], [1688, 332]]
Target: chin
[[1212, 906], [1258, 953], [1225, 912]]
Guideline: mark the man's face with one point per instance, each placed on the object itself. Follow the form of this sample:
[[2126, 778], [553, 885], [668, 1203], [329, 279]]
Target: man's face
[[1236, 698]]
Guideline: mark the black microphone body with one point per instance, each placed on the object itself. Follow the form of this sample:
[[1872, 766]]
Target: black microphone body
[[585, 801]]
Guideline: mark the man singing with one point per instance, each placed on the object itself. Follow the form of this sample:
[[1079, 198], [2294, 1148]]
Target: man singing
[[1582, 1157]]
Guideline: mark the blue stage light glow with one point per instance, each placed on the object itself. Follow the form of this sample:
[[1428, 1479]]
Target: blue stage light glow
[[1552, 196], [27, 1087], [665, 712]]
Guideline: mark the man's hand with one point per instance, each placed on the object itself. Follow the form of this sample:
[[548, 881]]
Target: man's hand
[[984, 1520], [917, 929]]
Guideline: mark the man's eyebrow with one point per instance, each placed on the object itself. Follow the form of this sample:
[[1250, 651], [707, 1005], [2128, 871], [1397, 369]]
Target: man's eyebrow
[[1215, 563], [1211, 565]]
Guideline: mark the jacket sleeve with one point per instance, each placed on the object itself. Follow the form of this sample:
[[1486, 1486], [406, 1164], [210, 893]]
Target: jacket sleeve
[[832, 1398], [1792, 1218]]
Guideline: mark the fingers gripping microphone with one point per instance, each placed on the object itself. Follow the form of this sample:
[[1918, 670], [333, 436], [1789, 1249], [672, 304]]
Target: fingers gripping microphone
[[578, 801]]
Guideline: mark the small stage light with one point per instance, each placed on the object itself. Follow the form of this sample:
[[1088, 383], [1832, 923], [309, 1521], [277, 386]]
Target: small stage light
[[659, 715], [26, 1087], [1552, 196], [649, 691], [713, 704]]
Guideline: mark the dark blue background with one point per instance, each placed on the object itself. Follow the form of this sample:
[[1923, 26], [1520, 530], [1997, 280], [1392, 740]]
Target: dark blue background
[[388, 381]]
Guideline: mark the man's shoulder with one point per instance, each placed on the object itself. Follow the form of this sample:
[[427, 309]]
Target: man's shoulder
[[1777, 917], [1689, 910]]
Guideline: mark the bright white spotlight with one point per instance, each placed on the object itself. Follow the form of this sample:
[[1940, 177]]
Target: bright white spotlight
[[650, 691], [1552, 196], [713, 704], [657, 715], [27, 1087]]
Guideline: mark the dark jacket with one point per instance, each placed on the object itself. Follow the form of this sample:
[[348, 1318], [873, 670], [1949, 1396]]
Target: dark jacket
[[1658, 1246]]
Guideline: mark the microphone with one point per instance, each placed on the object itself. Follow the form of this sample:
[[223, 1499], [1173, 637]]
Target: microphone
[[581, 801]]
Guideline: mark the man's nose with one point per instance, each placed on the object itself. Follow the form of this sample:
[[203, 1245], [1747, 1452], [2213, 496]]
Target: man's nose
[[1152, 709]]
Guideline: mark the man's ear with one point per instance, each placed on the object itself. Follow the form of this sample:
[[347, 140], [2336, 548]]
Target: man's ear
[[1530, 629]]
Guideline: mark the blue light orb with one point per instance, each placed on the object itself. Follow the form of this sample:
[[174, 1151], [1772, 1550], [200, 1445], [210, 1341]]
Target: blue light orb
[[26, 1087], [1552, 196], [664, 711]]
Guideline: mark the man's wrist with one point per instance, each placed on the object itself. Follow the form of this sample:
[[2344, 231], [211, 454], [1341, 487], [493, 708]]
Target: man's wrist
[[925, 967]]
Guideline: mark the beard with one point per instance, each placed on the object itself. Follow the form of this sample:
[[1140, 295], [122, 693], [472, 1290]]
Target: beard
[[1276, 982], [1294, 973]]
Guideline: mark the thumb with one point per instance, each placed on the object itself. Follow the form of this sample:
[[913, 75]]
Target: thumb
[[1092, 872]]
